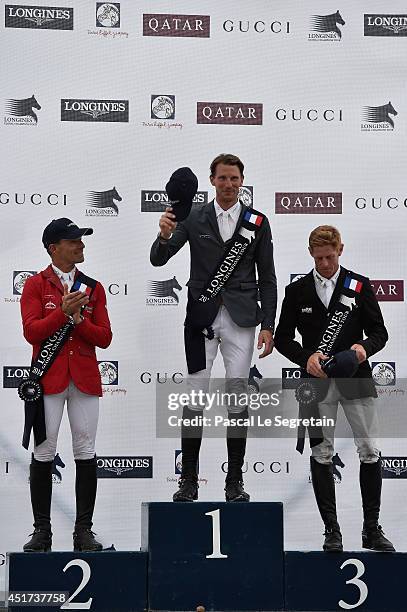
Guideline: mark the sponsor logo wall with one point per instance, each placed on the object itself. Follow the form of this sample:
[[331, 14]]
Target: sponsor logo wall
[[132, 93]]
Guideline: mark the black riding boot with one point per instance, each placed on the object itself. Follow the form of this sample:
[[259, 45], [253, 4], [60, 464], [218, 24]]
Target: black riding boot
[[370, 478], [324, 489], [41, 492], [191, 437], [85, 490], [236, 445]]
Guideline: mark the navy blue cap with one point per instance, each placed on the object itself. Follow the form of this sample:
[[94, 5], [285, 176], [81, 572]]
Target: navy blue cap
[[342, 365], [63, 229], [181, 190]]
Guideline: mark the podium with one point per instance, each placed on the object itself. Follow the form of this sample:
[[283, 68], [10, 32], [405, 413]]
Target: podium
[[223, 556], [347, 581], [100, 581]]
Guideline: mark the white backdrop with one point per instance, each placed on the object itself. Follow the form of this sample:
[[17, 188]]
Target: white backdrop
[[311, 138]]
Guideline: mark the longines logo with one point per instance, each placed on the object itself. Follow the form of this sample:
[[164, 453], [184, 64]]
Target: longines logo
[[258, 27], [161, 377], [388, 290], [124, 467], [103, 203], [109, 372], [394, 467], [384, 373], [377, 202], [157, 200], [295, 277], [308, 203], [246, 195], [21, 111], [198, 26], [378, 119], [95, 110], [310, 114], [229, 113], [385, 25], [108, 14], [38, 17], [290, 377], [19, 278], [36, 199], [326, 27], [162, 293], [14, 375]]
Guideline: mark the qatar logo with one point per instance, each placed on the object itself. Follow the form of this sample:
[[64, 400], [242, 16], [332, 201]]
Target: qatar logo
[[162, 107], [229, 113], [22, 111], [107, 14], [388, 290], [384, 373], [109, 372], [246, 195], [103, 203], [377, 118], [307, 203], [326, 27], [186, 26], [162, 293]]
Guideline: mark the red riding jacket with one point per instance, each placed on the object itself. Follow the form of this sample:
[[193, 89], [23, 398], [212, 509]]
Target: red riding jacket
[[42, 316]]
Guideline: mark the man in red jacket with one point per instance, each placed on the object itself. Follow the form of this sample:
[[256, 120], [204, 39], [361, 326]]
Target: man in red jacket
[[47, 304]]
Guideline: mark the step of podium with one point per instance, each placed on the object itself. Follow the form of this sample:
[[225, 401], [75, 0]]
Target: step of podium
[[100, 582], [222, 556], [366, 581]]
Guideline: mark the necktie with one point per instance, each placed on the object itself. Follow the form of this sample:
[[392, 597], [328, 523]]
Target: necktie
[[329, 289], [224, 227]]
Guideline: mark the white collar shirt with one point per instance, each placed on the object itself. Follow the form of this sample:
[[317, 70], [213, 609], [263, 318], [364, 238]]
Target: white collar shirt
[[227, 219], [65, 277], [325, 286]]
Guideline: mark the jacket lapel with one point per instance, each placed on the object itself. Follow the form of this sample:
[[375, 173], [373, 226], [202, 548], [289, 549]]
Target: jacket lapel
[[53, 278], [212, 220], [310, 293]]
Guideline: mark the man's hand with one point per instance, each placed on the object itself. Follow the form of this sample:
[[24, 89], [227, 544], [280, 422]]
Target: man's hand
[[314, 367], [167, 223], [266, 340], [360, 352], [73, 302]]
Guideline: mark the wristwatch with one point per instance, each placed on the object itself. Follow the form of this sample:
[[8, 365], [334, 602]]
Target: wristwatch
[[162, 239]]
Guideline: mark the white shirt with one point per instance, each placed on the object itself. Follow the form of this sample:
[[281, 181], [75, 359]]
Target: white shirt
[[65, 277], [227, 219], [325, 286]]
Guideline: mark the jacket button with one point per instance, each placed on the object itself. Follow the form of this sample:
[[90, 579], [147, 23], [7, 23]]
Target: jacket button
[[71, 352], [70, 337]]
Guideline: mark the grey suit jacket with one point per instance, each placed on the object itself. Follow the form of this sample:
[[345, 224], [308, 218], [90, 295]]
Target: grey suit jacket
[[240, 294]]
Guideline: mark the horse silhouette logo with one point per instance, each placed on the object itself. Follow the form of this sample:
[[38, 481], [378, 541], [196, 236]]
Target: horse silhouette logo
[[379, 114], [253, 385], [164, 289], [327, 23], [56, 474], [23, 108], [337, 462], [105, 200]]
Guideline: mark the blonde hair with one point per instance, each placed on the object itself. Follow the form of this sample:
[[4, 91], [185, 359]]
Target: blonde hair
[[324, 235]]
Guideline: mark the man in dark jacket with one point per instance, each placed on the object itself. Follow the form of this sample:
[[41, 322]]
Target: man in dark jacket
[[309, 307], [212, 231]]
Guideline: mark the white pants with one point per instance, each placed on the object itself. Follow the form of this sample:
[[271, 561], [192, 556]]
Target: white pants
[[362, 417], [236, 346], [83, 414]]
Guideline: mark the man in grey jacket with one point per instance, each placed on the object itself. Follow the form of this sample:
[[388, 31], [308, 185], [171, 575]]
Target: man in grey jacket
[[229, 243]]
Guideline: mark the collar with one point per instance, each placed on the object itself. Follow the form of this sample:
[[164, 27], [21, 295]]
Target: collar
[[234, 211], [321, 280], [70, 276]]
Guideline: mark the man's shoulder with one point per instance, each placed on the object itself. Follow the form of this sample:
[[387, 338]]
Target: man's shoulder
[[356, 275], [298, 284]]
